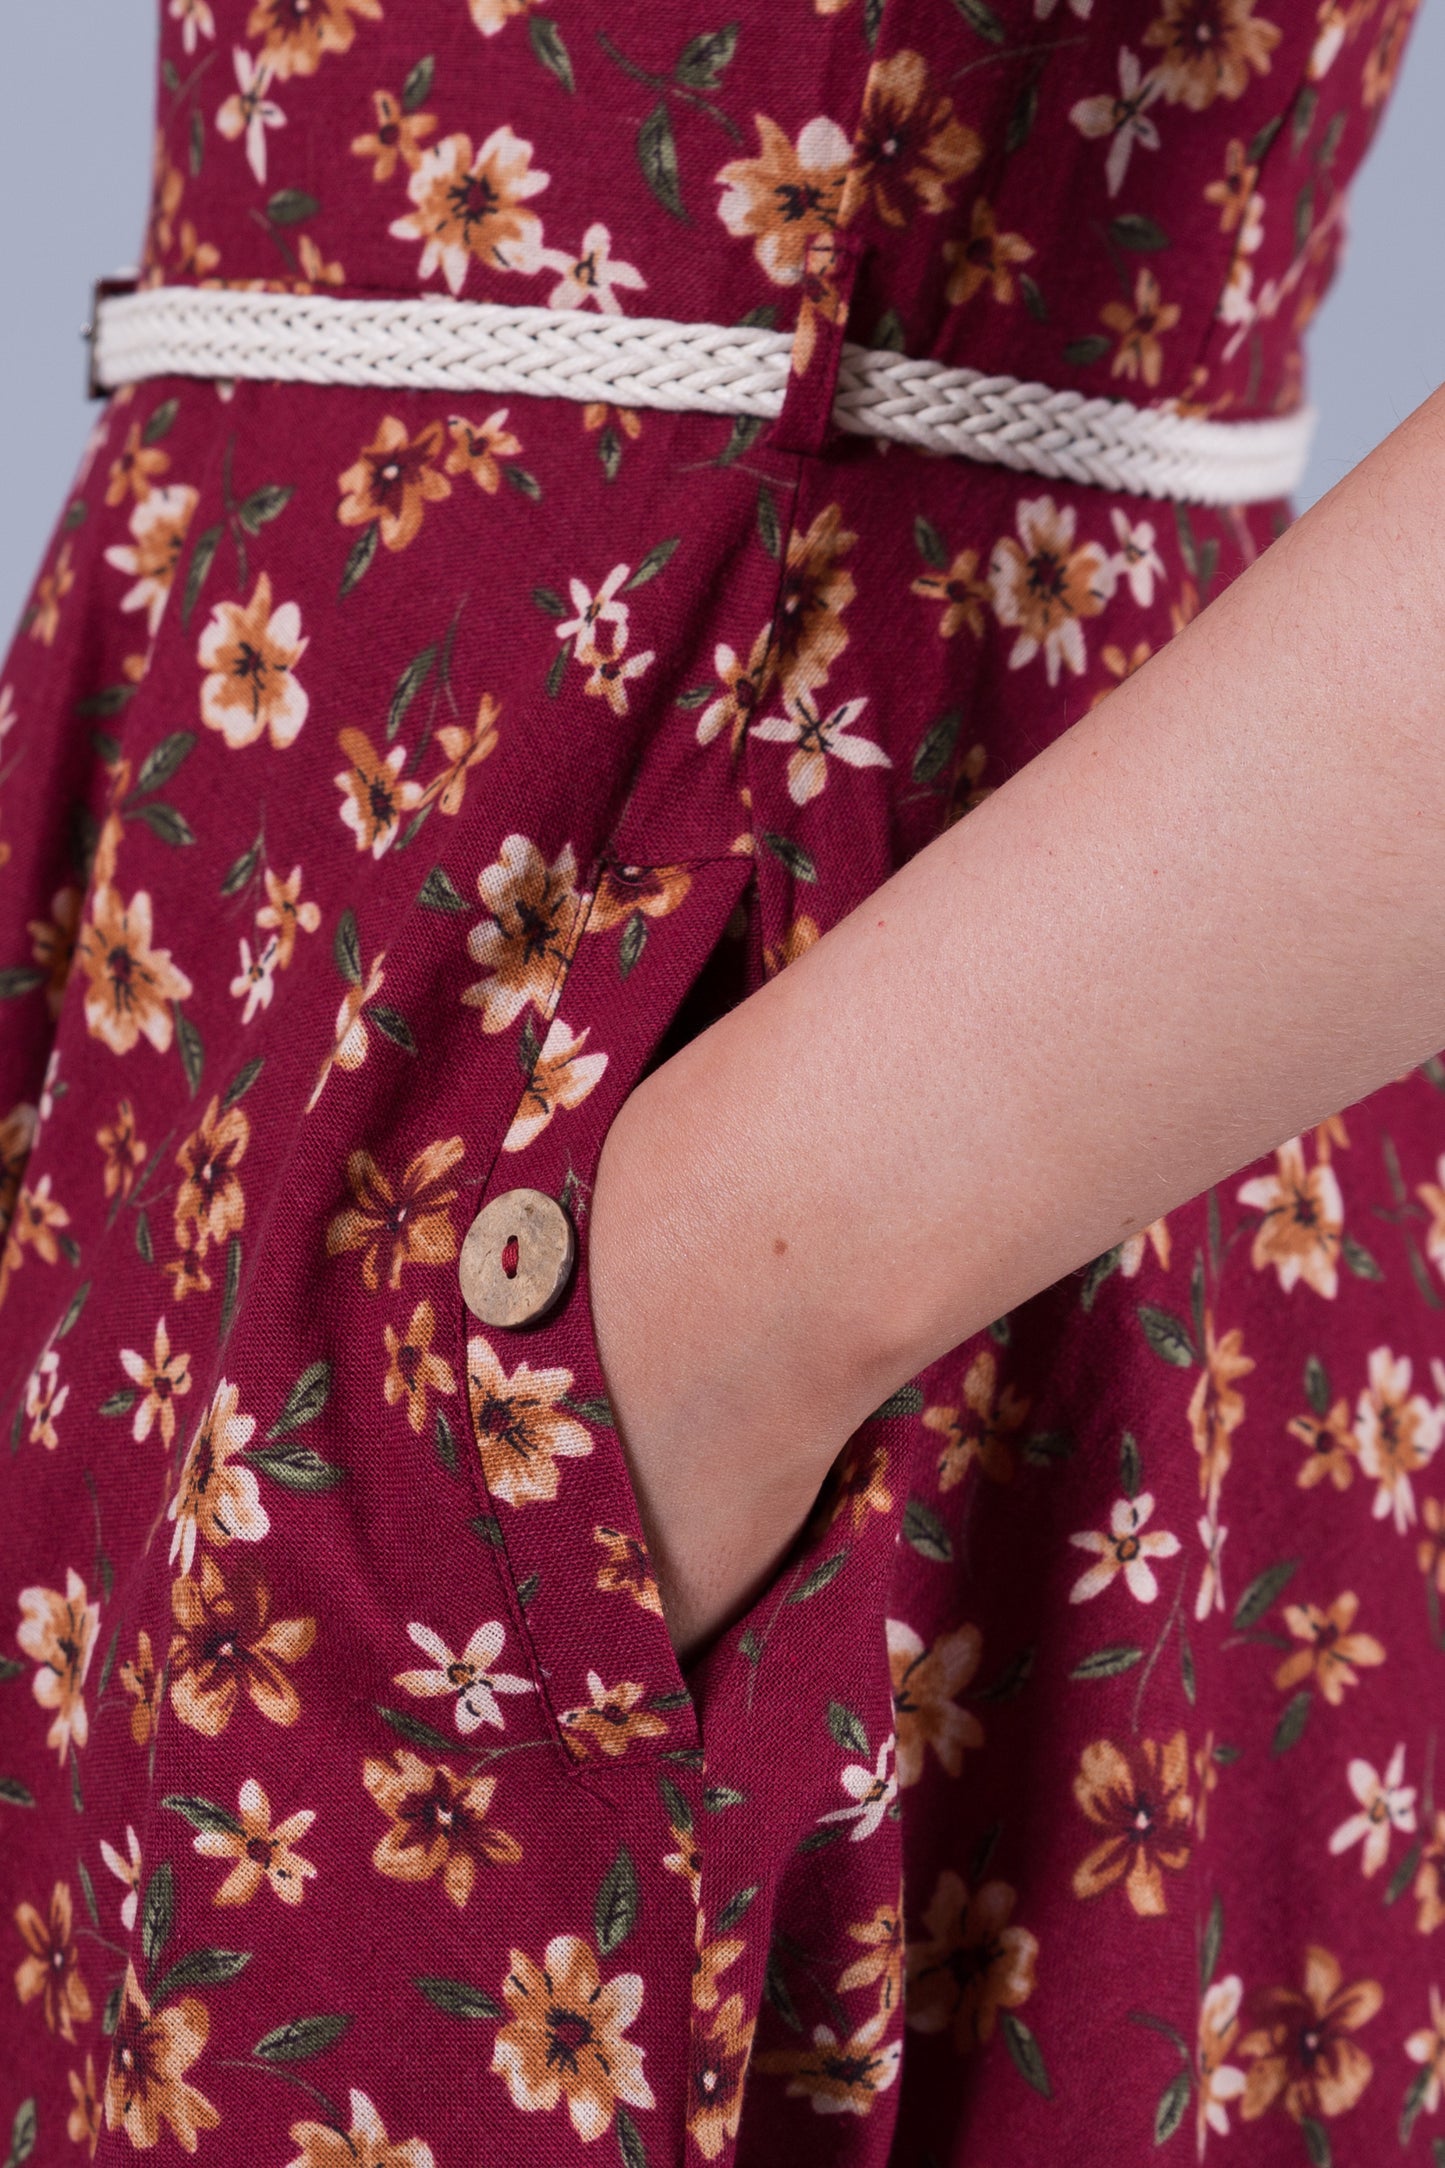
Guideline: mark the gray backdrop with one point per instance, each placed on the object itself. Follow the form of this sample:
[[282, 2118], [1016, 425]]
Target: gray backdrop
[[75, 164]]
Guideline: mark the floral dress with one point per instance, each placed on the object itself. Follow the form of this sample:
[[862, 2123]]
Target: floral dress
[[388, 781]]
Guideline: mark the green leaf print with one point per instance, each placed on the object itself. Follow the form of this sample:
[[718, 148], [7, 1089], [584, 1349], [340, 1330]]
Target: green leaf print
[[457, 1999], [1290, 1729], [162, 421], [15, 1794], [550, 48], [790, 854], [346, 948], [981, 18], [242, 1081], [1024, 2048], [358, 561], [165, 822], [938, 745], [263, 505], [770, 530], [1317, 1386], [415, 1731], [203, 1968], [617, 1903], [846, 1727], [231, 1289], [656, 560], [192, 1048], [19, 979], [908, 1400], [23, 2134], [1132, 230], [1168, 1336], [629, 2141], [1263, 1593], [438, 894], [417, 88], [735, 1908], [72, 1316], [930, 543], [445, 1443], [702, 61], [1082, 353], [394, 1026], [925, 1531], [1172, 2103], [408, 685], [1131, 1466], [203, 556], [1317, 2142], [242, 870], [1108, 1663], [657, 156], [289, 206], [301, 2038], [819, 1578], [1211, 1943], [1359, 1260], [158, 1912], [632, 944], [296, 1467], [203, 1814]]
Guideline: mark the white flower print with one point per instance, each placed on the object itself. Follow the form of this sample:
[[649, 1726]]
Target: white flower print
[[1123, 1550], [45, 1398], [814, 736], [472, 1676], [591, 275], [255, 981], [1125, 118], [603, 608], [1385, 1804], [127, 1871], [1398, 1431], [1043, 9], [196, 20], [1136, 559], [872, 1792], [1219, 2081], [249, 112], [7, 712], [1211, 1581]]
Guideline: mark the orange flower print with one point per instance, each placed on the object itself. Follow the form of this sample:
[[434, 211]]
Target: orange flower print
[[82, 2125], [838, 2077], [522, 1426], [17, 1135], [210, 1203], [561, 1076], [51, 590], [1331, 1447], [1430, 1550], [58, 1633], [565, 2039], [1138, 1794], [296, 35], [983, 1429], [1398, 1432], [1303, 2058], [397, 137], [1429, 1889], [986, 258], [158, 527], [395, 1224], [653, 890], [285, 914], [471, 1677], [133, 469], [52, 943], [36, 1223], [393, 481], [465, 747], [260, 1854], [963, 595], [364, 2145], [160, 1381], [1155, 1237], [610, 1719], [1216, 1409], [250, 652], [51, 1974], [226, 1644], [926, 1683], [802, 932], [881, 1964], [490, 16], [1233, 192], [374, 792], [352, 1039], [627, 1569], [1139, 326], [123, 1151], [787, 194], [187, 1275], [609, 675], [477, 448], [1427, 2047], [717, 2068], [1046, 587], [536, 916], [413, 1368], [438, 1824], [143, 1688], [910, 149], [218, 1499], [1332, 1650], [1304, 1217], [146, 2084], [131, 985], [816, 589], [861, 1485], [1209, 48], [472, 208], [970, 1963]]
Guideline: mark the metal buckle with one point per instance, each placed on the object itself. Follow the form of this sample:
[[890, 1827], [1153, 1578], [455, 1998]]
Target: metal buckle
[[121, 282]]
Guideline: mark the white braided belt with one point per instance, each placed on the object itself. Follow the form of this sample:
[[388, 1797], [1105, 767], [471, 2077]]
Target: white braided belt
[[435, 344]]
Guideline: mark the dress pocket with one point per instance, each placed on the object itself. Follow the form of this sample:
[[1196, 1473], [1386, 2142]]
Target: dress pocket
[[557, 1498]]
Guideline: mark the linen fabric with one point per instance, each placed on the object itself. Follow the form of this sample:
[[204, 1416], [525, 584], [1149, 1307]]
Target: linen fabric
[[388, 781]]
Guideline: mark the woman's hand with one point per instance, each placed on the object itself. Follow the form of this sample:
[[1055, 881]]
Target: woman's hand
[[1204, 918]]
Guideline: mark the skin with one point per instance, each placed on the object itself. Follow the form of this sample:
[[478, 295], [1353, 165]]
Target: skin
[[1205, 918]]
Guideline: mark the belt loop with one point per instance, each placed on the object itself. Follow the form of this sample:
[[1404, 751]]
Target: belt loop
[[830, 269]]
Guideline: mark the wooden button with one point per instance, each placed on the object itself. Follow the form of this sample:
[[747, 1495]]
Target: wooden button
[[516, 1258]]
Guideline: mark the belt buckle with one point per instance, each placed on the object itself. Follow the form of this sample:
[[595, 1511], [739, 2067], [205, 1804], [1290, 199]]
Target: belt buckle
[[120, 282]]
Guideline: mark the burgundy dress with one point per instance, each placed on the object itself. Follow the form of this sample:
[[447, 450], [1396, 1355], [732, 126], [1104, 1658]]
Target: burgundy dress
[[389, 779]]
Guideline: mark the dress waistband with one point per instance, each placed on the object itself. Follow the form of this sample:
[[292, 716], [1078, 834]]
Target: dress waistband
[[430, 343]]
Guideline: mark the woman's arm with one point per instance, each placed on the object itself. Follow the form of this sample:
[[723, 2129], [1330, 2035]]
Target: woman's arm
[[1207, 916]]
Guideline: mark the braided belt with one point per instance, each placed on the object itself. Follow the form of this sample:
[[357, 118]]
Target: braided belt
[[435, 344]]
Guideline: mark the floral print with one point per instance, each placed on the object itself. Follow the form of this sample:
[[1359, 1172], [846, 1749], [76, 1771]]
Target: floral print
[[389, 779]]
